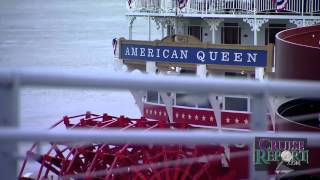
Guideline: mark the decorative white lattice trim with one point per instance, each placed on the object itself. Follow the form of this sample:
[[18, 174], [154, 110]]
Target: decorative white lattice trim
[[131, 20], [255, 24], [213, 23], [302, 23]]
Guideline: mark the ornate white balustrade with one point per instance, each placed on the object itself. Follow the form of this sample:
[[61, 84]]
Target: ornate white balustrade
[[219, 6], [293, 7]]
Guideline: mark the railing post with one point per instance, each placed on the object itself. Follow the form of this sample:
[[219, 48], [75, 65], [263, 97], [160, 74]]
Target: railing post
[[302, 13], [233, 4], [206, 7], [302, 8], [9, 115], [311, 8], [258, 123]]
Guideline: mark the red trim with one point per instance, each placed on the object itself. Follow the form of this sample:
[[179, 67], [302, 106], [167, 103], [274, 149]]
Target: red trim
[[157, 112], [194, 116]]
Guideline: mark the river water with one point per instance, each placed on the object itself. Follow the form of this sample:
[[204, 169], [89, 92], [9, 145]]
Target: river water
[[69, 35]]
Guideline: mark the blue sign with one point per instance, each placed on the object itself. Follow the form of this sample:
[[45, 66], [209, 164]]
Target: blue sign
[[233, 57]]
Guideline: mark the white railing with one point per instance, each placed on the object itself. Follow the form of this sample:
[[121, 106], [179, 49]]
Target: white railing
[[12, 81], [148, 5], [219, 6], [313, 7], [265, 5], [294, 7]]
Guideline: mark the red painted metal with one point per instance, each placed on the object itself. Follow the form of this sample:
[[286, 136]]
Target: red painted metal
[[111, 161], [203, 117], [155, 111], [297, 54], [194, 116]]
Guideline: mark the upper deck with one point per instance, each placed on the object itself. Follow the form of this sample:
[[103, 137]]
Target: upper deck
[[293, 9]]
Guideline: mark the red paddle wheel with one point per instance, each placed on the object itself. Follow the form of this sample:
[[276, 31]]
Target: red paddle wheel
[[112, 161]]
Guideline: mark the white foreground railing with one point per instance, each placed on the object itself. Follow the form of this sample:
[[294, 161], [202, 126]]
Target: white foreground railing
[[294, 7], [12, 81]]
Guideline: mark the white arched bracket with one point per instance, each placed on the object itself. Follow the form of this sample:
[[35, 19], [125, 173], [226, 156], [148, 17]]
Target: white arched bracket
[[168, 101], [163, 23], [131, 20], [213, 23], [304, 22], [255, 25], [160, 22]]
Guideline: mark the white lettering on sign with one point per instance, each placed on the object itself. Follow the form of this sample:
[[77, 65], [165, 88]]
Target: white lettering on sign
[[127, 52], [158, 53], [252, 57], [134, 51], [213, 58], [174, 54], [165, 53], [183, 54], [219, 56], [225, 56], [237, 57], [201, 56], [150, 52], [142, 51]]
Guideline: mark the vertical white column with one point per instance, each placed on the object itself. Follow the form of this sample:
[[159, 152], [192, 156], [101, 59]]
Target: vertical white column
[[257, 122], [162, 31], [213, 23], [213, 34], [150, 65], [149, 28], [255, 27], [130, 31], [131, 20], [175, 26], [201, 70], [255, 33], [259, 72]]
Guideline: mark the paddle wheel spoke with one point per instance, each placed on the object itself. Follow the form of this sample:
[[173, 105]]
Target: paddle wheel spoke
[[128, 161]]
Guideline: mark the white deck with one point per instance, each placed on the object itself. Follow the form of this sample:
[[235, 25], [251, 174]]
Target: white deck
[[225, 8]]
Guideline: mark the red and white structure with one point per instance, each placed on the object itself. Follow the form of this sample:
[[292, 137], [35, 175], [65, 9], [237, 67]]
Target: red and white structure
[[231, 28]]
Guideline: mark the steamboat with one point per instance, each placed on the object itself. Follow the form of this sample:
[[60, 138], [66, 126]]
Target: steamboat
[[248, 39]]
